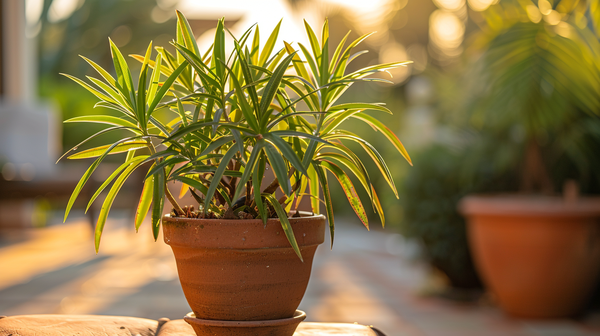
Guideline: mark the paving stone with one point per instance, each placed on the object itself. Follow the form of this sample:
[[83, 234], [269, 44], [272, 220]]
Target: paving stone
[[369, 278]]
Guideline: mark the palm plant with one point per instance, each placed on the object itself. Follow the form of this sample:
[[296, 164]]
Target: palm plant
[[235, 115], [539, 79]]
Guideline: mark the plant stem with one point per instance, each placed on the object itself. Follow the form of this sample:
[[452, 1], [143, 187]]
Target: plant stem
[[535, 176], [173, 202], [275, 184]]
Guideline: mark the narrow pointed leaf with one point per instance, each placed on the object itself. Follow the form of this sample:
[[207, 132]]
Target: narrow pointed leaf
[[391, 136], [328, 204], [218, 175], [285, 224], [103, 119], [110, 197], [287, 151], [349, 190], [98, 151], [144, 203], [158, 201], [280, 168], [249, 168], [269, 45]]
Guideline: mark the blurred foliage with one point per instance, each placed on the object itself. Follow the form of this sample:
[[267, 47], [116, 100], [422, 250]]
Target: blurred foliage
[[538, 82], [431, 194], [84, 32], [86, 29], [522, 104]]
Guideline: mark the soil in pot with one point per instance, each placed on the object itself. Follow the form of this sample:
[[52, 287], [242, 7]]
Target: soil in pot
[[540, 256], [243, 270]]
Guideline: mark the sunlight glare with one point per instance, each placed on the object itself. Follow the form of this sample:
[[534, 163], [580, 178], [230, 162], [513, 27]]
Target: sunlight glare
[[481, 5], [62, 9], [446, 30], [33, 11], [451, 5]]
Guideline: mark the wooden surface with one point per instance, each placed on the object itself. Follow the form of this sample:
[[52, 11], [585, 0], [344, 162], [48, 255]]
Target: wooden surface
[[88, 325]]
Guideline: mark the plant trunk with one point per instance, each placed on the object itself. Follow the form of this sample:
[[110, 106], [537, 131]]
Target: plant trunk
[[535, 177]]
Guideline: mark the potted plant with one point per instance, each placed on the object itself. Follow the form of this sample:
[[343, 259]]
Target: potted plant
[[538, 98], [243, 253]]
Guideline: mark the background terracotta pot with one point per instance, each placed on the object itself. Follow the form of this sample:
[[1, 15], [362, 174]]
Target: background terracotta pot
[[539, 255], [242, 270]]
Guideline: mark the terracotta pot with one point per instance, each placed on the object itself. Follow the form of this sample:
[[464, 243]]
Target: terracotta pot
[[540, 256], [281, 327], [242, 270]]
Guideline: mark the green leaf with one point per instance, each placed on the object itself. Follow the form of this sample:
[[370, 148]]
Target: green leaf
[[106, 130], [328, 204], [324, 59], [349, 190], [249, 168], [124, 79], [188, 35], [168, 162], [164, 89], [98, 151], [158, 201], [336, 54], [207, 77], [90, 88], [269, 45], [280, 168], [374, 154], [86, 176], [311, 62], [247, 75], [243, 103], [257, 178], [110, 197], [216, 143], [141, 93], [192, 183], [287, 151], [361, 106], [285, 224], [100, 71], [154, 80], [144, 203], [314, 43], [103, 119], [117, 97], [378, 125], [255, 52], [271, 88], [314, 189], [106, 182], [218, 175], [341, 66], [181, 111], [218, 59]]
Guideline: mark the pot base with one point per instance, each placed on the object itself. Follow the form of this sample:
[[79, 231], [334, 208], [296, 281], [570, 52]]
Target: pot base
[[279, 327]]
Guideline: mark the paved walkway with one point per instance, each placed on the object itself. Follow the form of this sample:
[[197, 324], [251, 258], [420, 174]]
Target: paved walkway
[[367, 278]]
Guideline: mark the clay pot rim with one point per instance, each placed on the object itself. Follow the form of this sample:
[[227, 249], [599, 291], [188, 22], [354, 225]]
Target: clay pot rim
[[303, 215], [298, 317], [528, 205]]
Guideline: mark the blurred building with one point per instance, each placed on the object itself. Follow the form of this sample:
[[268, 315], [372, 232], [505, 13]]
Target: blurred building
[[29, 128]]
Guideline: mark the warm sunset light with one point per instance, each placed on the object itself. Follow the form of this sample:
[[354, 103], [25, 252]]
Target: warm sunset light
[[446, 30], [481, 5], [299, 167]]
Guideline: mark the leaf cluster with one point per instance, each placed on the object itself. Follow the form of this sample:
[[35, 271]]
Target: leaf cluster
[[235, 115]]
